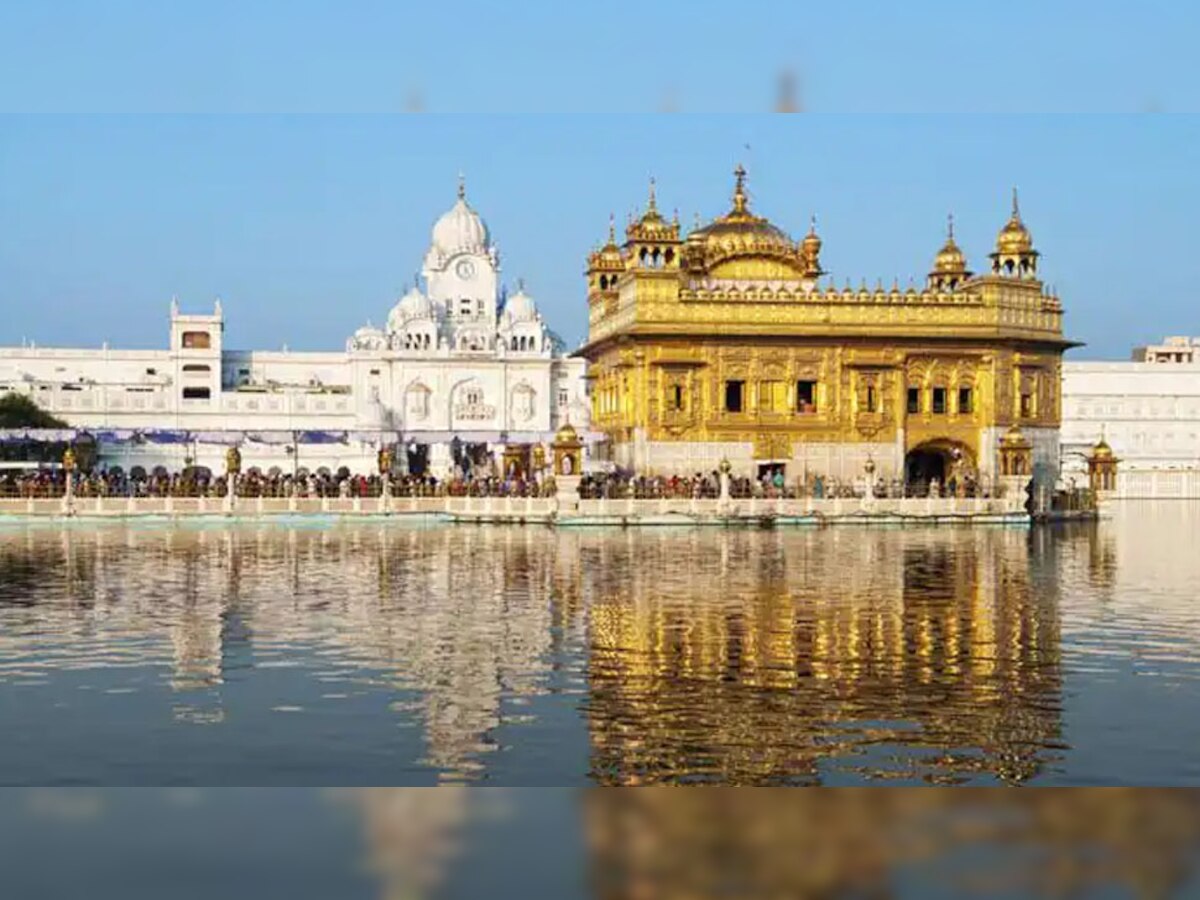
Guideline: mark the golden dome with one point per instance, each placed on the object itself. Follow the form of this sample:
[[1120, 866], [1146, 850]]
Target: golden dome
[[609, 256], [652, 226], [812, 241], [1014, 237], [1014, 437], [1102, 450], [950, 260], [566, 435], [740, 233]]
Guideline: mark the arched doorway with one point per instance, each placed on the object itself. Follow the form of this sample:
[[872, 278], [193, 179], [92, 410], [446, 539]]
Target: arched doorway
[[943, 461]]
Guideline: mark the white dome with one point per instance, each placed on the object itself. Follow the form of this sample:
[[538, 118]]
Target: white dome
[[460, 229], [520, 308], [367, 338], [368, 331], [413, 305]]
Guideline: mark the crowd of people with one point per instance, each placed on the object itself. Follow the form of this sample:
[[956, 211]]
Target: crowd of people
[[770, 485], [200, 482]]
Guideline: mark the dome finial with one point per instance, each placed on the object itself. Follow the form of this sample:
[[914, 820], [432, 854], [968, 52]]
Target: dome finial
[[739, 189], [950, 227], [652, 206], [1016, 212], [462, 186], [812, 224], [612, 228]]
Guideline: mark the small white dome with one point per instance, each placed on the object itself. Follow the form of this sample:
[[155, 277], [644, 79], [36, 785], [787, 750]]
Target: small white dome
[[413, 305], [368, 331], [520, 308], [367, 338], [460, 229]]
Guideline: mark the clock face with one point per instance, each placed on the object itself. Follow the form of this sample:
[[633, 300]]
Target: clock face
[[465, 269]]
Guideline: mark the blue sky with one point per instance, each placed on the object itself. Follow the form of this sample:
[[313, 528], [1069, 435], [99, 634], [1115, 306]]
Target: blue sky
[[307, 226], [617, 56]]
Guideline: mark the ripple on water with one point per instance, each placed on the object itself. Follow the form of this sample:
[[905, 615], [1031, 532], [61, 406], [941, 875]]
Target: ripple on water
[[619, 657]]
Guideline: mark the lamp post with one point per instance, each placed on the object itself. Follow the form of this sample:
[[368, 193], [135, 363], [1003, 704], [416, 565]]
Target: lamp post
[[233, 467], [385, 471], [68, 464]]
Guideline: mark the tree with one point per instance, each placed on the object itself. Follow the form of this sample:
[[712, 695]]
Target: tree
[[18, 411]]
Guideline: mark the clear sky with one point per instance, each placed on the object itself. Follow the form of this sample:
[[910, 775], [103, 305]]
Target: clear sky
[[307, 226], [618, 56]]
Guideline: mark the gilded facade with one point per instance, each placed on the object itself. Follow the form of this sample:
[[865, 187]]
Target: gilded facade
[[726, 343]]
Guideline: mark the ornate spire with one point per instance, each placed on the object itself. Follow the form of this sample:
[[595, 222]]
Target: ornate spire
[[462, 186], [739, 189], [652, 205], [950, 228], [612, 228], [1016, 210]]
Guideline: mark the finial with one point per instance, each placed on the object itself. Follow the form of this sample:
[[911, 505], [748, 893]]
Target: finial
[[612, 228], [1016, 213], [462, 186], [950, 226], [675, 217], [739, 190], [652, 206], [697, 221], [812, 224], [521, 285]]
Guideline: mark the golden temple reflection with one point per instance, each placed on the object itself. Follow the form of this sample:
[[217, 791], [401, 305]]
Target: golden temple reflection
[[748, 668], [858, 843]]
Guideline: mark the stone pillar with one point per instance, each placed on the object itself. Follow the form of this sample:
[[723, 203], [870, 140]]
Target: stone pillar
[[566, 493]]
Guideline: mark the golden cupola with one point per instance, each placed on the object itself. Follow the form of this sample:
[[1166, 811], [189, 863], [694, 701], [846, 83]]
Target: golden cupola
[[606, 264], [1014, 256], [810, 252], [950, 264], [744, 246], [651, 241], [651, 226]]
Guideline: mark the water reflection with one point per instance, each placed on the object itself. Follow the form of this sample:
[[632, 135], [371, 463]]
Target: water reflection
[[448, 842], [765, 656], [378, 653]]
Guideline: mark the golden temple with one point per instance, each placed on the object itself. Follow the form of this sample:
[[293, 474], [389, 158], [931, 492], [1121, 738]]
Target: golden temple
[[722, 343]]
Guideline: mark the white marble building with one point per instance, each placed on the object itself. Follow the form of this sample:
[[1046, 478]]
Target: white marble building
[[1148, 410], [459, 359]]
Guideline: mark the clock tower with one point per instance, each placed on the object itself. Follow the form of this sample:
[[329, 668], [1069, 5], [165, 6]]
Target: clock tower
[[462, 267]]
